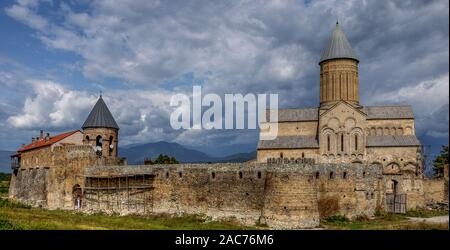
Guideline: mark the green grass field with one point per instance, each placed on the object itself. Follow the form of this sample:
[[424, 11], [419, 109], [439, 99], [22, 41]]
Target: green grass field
[[15, 216], [4, 184]]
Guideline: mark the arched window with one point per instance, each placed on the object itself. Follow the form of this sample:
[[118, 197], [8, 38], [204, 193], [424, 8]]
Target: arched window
[[344, 175], [342, 142], [331, 175], [111, 146], [99, 144], [281, 155], [99, 141], [328, 143], [87, 138], [303, 155], [356, 142]]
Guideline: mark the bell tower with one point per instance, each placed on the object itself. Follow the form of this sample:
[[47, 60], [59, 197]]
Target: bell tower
[[338, 71], [101, 130]]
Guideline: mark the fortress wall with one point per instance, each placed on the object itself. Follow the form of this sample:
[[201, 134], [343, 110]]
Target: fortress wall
[[214, 190], [349, 190], [290, 199], [49, 182], [218, 190], [434, 190], [281, 195], [30, 186]]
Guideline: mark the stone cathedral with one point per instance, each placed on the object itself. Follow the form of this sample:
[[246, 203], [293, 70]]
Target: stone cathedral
[[339, 158], [341, 130]]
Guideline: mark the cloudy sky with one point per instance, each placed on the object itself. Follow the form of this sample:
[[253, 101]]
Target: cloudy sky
[[55, 58]]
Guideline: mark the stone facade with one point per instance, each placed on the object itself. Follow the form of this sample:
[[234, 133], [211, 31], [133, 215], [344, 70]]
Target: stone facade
[[53, 180], [341, 131]]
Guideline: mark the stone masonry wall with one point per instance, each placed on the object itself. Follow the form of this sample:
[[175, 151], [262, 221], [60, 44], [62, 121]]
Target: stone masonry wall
[[434, 190], [279, 195], [50, 181]]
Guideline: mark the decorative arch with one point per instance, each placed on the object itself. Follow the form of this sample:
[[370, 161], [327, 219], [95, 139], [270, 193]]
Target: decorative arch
[[379, 131], [333, 123], [391, 168], [328, 139], [393, 131], [350, 123], [356, 139], [408, 131], [410, 166]]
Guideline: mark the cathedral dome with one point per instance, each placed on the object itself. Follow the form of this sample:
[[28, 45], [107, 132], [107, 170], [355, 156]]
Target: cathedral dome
[[338, 47]]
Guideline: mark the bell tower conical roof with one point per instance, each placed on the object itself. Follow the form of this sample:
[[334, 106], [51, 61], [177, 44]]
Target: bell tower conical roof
[[338, 47], [100, 117]]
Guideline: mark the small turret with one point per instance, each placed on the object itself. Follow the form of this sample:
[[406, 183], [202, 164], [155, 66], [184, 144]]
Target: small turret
[[101, 130]]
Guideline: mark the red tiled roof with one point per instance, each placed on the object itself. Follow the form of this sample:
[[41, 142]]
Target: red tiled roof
[[44, 143]]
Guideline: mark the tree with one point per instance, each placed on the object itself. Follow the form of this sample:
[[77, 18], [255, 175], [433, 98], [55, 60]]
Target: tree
[[165, 159], [440, 161]]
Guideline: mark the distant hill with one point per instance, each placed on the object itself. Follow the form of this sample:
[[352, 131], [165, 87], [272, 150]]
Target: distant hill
[[5, 161], [241, 157], [136, 153]]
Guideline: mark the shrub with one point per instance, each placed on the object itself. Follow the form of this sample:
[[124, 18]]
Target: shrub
[[5, 177], [12, 204], [7, 225], [337, 219]]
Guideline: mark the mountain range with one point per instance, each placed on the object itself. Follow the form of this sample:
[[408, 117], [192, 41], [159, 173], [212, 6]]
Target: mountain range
[[137, 153]]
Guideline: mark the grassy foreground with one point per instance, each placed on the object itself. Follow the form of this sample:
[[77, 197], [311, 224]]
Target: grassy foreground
[[384, 222], [16, 216]]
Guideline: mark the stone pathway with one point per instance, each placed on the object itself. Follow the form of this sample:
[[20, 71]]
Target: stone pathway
[[431, 220]]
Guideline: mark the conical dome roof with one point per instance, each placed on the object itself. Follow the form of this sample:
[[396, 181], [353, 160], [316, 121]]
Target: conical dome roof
[[338, 47], [100, 117]]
